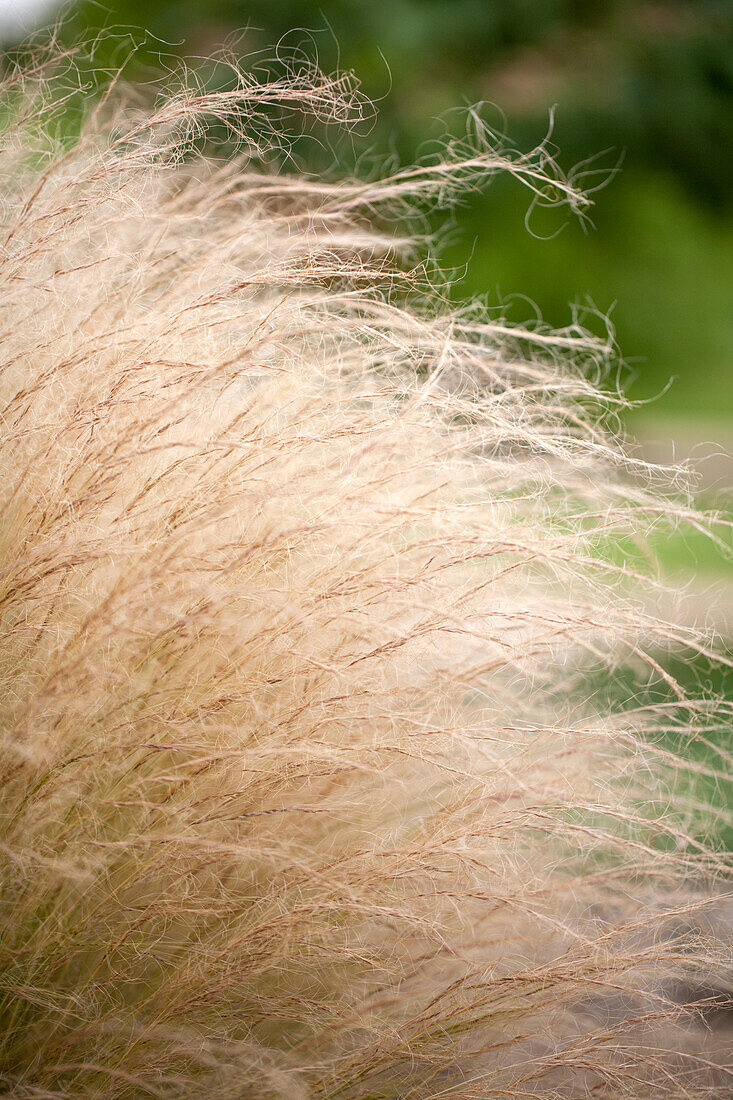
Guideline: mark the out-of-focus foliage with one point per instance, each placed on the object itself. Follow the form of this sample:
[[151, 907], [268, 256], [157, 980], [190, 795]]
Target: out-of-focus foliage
[[650, 84], [655, 79]]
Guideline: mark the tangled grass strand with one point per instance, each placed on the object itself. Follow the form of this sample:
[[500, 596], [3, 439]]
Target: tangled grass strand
[[304, 577]]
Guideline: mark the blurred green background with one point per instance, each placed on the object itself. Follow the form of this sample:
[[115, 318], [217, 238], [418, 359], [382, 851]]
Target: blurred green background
[[642, 87], [651, 83], [647, 84]]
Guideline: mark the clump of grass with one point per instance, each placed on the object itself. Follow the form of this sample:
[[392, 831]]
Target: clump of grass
[[298, 571]]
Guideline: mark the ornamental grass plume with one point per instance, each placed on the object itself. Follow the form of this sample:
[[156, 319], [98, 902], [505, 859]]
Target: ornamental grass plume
[[306, 578]]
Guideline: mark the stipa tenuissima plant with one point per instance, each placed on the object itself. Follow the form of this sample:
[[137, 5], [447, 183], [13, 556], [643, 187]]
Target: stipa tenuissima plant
[[300, 584]]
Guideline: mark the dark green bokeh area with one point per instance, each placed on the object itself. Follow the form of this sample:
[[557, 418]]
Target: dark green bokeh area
[[647, 84]]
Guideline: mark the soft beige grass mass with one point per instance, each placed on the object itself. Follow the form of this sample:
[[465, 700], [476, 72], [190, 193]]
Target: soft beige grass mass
[[302, 572]]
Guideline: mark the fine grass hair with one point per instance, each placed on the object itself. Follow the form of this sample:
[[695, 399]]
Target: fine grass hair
[[309, 585]]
